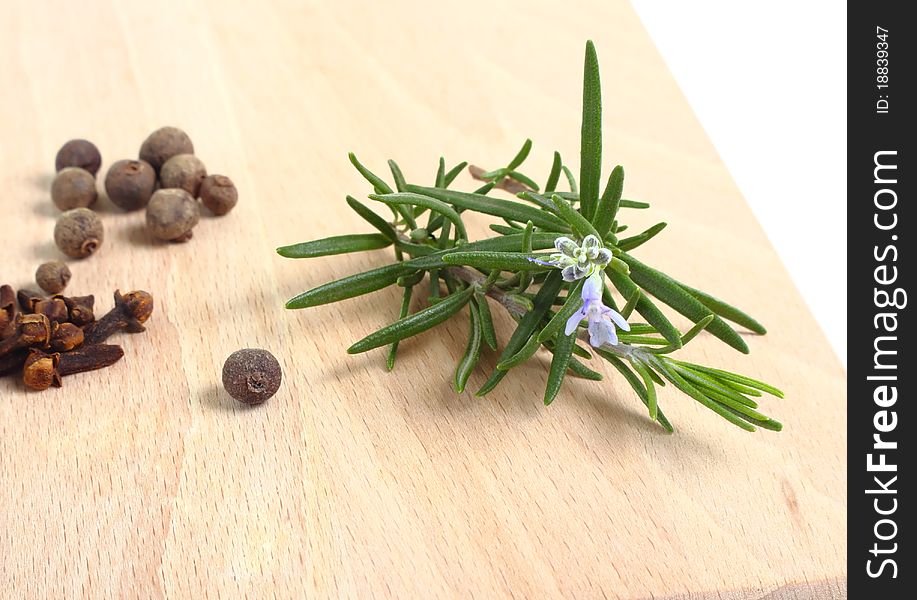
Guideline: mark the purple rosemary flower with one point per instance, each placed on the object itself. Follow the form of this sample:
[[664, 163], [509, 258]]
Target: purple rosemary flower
[[602, 319]]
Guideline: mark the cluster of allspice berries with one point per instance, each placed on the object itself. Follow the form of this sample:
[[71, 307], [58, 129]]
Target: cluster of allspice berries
[[48, 338], [166, 179]]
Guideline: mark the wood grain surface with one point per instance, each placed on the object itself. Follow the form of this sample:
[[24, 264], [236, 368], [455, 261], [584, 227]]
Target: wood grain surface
[[146, 480]]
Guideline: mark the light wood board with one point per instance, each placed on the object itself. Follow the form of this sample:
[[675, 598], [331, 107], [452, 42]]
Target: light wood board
[[146, 480]]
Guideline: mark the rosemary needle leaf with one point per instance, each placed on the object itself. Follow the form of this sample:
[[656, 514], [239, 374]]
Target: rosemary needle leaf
[[503, 261], [527, 325], [563, 351], [646, 308], [503, 229], [441, 173], [609, 202], [487, 323], [541, 201], [427, 202], [415, 323], [637, 384], [405, 307], [559, 320], [339, 244], [725, 310], [748, 381], [378, 184], [352, 286], [582, 371], [629, 243], [472, 351], [591, 134], [554, 176], [372, 218], [495, 206], [397, 175], [453, 173], [652, 402], [520, 357], [520, 156], [523, 179], [579, 223], [571, 180], [667, 289]]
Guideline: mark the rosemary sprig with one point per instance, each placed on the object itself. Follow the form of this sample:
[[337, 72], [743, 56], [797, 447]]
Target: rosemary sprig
[[554, 309]]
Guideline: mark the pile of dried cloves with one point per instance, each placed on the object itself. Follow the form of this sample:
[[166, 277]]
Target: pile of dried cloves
[[48, 338]]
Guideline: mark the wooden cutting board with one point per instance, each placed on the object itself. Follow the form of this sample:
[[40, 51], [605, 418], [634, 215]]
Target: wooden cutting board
[[146, 480]]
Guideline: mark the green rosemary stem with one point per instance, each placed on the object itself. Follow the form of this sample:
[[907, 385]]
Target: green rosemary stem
[[507, 301]]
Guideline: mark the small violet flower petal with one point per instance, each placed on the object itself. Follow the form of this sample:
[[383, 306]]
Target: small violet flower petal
[[602, 257], [574, 321], [565, 245]]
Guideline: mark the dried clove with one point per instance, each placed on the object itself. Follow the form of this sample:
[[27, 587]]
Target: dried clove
[[65, 337], [131, 311], [89, 358], [80, 308], [7, 310], [30, 330], [27, 300], [12, 362], [41, 370], [53, 308]]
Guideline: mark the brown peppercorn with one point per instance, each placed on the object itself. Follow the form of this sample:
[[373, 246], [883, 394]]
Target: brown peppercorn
[[53, 276], [78, 153], [163, 144], [73, 188], [130, 183], [219, 194], [79, 232], [251, 375], [184, 171], [172, 214]]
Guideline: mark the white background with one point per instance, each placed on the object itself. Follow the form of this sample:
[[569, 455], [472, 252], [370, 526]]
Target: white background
[[768, 81]]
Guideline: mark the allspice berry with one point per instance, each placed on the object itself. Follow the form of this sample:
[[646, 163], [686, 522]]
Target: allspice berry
[[163, 144], [251, 375], [219, 194], [183, 171], [53, 277], [72, 188], [171, 215], [79, 232], [130, 183], [78, 153]]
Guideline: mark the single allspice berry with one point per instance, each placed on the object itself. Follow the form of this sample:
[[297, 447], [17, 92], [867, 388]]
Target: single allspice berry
[[219, 194], [251, 375], [172, 215], [53, 276], [72, 188], [78, 153], [163, 144], [79, 232], [184, 171], [130, 183]]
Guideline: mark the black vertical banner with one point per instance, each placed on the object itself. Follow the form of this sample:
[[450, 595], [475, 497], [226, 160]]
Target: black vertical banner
[[882, 367]]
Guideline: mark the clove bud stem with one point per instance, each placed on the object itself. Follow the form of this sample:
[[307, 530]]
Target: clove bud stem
[[131, 311]]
